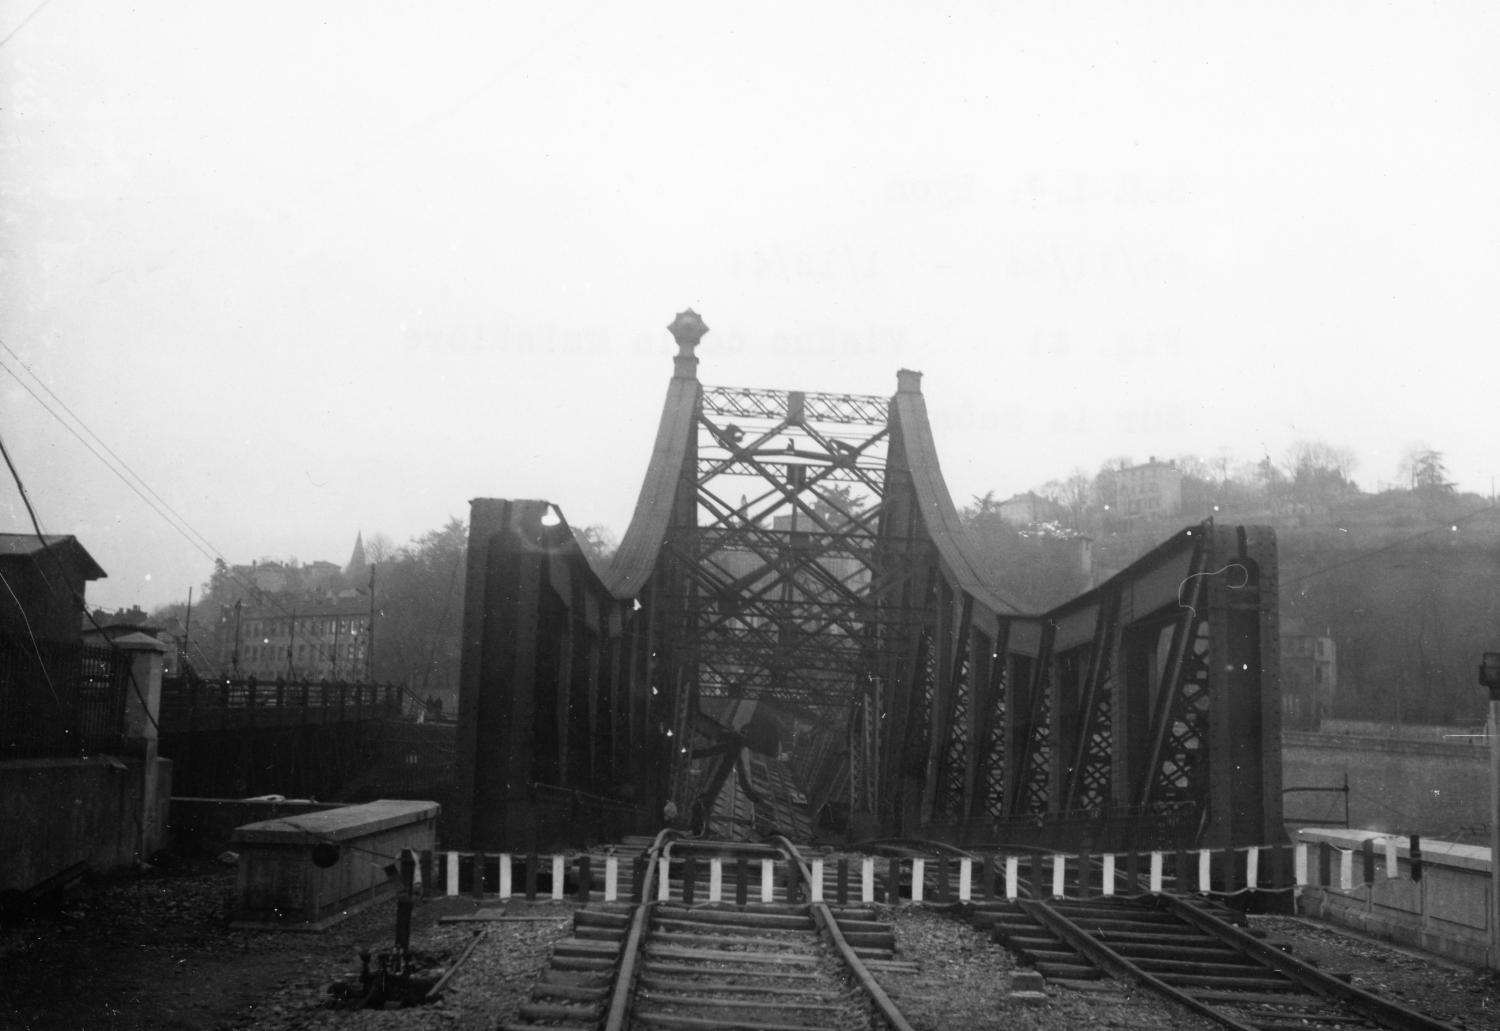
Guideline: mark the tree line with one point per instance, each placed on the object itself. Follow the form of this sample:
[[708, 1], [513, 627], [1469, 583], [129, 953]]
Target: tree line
[[1310, 477], [1405, 580]]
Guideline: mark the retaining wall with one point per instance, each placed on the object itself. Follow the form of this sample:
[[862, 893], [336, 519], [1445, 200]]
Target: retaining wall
[[1446, 912], [100, 810]]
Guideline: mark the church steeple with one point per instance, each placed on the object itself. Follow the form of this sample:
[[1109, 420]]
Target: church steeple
[[357, 564]]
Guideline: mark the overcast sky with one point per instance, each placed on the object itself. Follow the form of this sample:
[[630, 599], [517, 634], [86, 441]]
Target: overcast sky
[[310, 269]]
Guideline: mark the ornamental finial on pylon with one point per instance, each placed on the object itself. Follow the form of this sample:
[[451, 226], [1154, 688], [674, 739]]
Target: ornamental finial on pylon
[[687, 329]]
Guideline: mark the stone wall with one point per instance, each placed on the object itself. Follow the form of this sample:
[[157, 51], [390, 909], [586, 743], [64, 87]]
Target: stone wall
[[1446, 912], [57, 812]]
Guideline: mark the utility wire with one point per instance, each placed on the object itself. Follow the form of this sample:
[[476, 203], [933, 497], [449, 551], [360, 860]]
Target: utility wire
[[186, 530], [77, 599], [1448, 525], [13, 33], [205, 548]]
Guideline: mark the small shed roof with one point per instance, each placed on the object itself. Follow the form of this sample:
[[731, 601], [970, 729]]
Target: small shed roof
[[28, 545]]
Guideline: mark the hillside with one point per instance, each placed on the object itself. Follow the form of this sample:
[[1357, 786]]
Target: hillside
[[1407, 587]]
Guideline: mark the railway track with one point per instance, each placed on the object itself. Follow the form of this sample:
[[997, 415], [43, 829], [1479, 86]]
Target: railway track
[[670, 963], [1193, 953]]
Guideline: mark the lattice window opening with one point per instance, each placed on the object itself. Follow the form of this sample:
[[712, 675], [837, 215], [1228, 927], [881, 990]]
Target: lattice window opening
[[778, 405], [1096, 779], [714, 669], [992, 750], [765, 547], [1189, 727], [813, 655], [784, 477], [772, 448], [737, 578], [953, 764], [1038, 767]]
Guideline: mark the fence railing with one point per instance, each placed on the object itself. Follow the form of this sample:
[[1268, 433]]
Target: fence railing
[[853, 878], [191, 704], [60, 698]]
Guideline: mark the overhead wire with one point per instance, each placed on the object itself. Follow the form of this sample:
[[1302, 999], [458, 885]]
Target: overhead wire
[[180, 524], [185, 529], [13, 33], [1449, 525], [36, 526]]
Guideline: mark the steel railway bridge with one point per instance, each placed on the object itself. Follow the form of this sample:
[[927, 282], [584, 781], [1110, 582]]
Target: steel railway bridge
[[795, 583]]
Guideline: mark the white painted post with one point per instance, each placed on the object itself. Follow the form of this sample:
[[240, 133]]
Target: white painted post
[[1346, 870], [867, 879], [557, 878], [452, 873], [1012, 877], [1205, 871], [1252, 867], [1156, 873], [663, 879], [965, 879], [1299, 864], [767, 881], [815, 889], [715, 879], [1059, 874], [917, 875], [611, 878], [1108, 884], [1392, 867], [505, 886]]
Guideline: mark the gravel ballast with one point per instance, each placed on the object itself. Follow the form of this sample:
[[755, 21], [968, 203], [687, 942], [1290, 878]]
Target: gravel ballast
[[155, 951]]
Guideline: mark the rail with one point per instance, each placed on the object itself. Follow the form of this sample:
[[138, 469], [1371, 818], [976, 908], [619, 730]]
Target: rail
[[1382, 1011], [1116, 965], [1216, 1006], [619, 1002], [856, 966]]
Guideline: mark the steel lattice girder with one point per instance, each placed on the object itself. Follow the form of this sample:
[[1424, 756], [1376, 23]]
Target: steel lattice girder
[[802, 549]]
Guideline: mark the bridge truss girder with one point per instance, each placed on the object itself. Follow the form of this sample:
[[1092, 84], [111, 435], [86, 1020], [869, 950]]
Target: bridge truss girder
[[799, 553]]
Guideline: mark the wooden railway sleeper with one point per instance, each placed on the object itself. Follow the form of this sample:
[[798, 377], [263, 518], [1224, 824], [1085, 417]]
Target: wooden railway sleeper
[[1373, 1007], [1268, 989], [700, 967]]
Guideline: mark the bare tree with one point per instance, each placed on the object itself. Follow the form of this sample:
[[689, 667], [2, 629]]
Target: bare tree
[[1192, 465], [379, 548], [1315, 454], [1075, 493], [1425, 470], [1318, 473]]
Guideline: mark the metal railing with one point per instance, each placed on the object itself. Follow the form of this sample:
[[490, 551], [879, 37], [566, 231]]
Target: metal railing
[[191, 704], [59, 698]]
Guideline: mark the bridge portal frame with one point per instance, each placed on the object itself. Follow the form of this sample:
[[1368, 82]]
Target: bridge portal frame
[[1144, 712]]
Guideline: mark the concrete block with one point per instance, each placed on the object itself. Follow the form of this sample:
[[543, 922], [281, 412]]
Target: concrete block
[[282, 886]]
